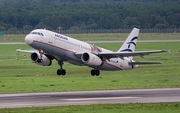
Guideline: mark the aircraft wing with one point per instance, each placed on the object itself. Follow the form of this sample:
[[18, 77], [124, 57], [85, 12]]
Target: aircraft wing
[[129, 54], [26, 51]]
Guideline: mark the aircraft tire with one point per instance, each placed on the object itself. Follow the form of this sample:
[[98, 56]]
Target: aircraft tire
[[92, 72], [59, 72], [97, 72], [63, 72]]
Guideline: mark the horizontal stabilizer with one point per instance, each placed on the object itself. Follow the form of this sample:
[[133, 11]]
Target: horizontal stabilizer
[[140, 63]]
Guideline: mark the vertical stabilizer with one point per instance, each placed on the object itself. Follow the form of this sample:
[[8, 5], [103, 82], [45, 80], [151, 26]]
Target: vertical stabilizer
[[130, 43]]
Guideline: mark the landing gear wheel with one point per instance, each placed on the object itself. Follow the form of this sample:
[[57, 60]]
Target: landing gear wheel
[[92, 72], [61, 72], [95, 72]]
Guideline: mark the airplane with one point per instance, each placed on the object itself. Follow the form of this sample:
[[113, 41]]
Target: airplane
[[50, 45]]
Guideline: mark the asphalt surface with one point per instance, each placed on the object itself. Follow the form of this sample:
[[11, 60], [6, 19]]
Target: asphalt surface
[[89, 97]]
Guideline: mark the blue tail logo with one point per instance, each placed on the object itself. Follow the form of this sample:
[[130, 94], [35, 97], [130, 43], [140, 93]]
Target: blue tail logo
[[129, 45]]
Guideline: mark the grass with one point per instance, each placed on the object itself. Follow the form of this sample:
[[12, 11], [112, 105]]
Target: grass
[[12, 38], [102, 108], [101, 36], [18, 74]]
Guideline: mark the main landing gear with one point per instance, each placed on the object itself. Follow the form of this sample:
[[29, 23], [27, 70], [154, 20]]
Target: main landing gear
[[95, 72], [61, 71]]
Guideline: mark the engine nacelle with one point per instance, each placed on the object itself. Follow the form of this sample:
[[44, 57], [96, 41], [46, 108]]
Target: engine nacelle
[[40, 59], [91, 59]]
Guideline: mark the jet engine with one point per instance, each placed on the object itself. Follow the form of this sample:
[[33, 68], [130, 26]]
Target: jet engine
[[91, 59], [40, 59]]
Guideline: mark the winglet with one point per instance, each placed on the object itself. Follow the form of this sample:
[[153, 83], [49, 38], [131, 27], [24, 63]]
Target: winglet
[[18, 50], [169, 51]]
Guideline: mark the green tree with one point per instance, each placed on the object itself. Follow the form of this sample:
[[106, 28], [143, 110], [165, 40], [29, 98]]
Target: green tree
[[85, 14]]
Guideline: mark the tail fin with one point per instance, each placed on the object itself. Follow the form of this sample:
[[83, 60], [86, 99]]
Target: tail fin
[[130, 43]]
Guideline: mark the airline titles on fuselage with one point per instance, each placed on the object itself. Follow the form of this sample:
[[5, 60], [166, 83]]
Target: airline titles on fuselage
[[66, 40], [61, 36]]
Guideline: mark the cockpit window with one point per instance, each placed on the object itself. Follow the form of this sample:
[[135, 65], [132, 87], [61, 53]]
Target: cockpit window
[[37, 33]]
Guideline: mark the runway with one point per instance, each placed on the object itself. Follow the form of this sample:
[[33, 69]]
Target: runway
[[89, 97]]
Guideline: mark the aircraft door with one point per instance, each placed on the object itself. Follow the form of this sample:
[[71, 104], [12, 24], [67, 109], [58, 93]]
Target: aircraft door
[[121, 63], [79, 47], [50, 38]]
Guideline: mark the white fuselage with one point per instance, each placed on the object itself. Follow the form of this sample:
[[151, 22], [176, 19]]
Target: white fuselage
[[65, 48]]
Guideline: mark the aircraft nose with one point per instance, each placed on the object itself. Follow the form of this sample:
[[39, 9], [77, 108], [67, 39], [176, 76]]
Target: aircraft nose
[[28, 39]]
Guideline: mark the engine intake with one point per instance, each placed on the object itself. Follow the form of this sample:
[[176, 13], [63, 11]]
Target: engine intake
[[40, 59], [91, 59]]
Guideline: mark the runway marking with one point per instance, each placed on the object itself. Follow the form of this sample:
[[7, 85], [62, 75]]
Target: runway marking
[[108, 98]]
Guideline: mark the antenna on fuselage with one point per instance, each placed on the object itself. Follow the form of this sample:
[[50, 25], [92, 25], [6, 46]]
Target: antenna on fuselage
[[59, 28]]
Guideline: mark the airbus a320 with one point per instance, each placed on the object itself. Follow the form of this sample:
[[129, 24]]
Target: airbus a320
[[50, 45]]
